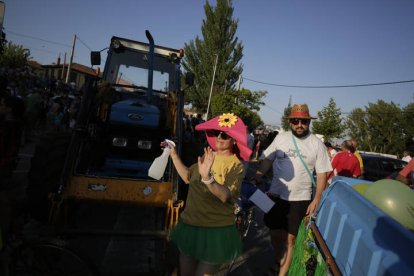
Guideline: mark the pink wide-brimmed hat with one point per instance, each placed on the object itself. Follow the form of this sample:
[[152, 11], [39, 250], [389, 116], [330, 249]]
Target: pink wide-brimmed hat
[[233, 126]]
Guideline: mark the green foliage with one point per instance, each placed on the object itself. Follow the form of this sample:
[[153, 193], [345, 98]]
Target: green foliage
[[219, 43], [243, 103], [329, 123], [218, 30], [408, 127], [14, 56], [378, 128], [358, 127], [286, 113]]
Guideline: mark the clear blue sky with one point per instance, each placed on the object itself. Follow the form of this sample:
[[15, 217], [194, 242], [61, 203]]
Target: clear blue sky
[[304, 43]]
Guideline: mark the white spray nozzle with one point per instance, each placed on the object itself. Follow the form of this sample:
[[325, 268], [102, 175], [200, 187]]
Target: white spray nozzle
[[169, 142]]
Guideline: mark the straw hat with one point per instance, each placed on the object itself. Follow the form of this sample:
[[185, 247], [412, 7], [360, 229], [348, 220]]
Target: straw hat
[[231, 125], [300, 111]]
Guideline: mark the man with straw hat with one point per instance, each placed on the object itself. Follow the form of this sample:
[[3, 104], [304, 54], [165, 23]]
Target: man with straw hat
[[294, 156]]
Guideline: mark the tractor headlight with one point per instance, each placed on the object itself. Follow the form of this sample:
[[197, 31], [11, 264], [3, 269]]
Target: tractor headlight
[[144, 144], [119, 142], [117, 46]]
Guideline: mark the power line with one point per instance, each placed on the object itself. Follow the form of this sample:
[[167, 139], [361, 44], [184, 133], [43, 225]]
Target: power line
[[378, 112], [329, 86], [84, 43], [49, 41], [362, 112], [273, 109], [38, 38], [42, 50]]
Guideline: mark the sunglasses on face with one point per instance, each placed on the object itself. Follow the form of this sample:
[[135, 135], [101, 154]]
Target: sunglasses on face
[[221, 134], [302, 121]]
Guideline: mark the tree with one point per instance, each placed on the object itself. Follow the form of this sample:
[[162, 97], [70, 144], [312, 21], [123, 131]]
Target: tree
[[14, 56], [2, 40], [379, 128], [408, 127], [286, 113], [358, 128], [244, 103], [329, 123], [384, 124], [219, 40]]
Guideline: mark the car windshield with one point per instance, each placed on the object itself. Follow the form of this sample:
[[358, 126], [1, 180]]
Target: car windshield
[[378, 167], [392, 164]]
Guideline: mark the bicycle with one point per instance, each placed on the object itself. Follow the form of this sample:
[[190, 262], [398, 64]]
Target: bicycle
[[42, 258], [244, 212], [245, 209]]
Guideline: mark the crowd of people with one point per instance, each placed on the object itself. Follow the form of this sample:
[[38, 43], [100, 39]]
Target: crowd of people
[[30, 104], [207, 221], [190, 122], [261, 140], [301, 167]]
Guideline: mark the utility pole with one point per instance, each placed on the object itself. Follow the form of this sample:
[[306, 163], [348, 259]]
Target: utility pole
[[211, 88], [63, 68], [71, 59], [239, 81], [120, 77]]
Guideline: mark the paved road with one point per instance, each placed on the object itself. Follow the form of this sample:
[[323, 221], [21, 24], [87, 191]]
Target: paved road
[[125, 255]]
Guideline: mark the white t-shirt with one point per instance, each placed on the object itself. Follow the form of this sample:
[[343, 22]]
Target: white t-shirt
[[333, 152], [291, 181], [406, 158]]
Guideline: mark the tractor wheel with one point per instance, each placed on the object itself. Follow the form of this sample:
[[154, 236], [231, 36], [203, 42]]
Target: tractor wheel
[[45, 171]]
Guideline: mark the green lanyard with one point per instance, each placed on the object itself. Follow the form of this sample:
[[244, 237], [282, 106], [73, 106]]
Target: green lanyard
[[303, 162]]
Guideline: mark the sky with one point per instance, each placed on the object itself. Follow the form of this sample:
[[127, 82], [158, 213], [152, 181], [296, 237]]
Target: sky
[[286, 43]]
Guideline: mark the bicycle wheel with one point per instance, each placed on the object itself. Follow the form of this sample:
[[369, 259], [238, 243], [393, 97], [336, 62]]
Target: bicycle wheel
[[246, 221], [46, 259]]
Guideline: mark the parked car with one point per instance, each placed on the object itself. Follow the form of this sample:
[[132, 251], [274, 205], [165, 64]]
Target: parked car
[[378, 167]]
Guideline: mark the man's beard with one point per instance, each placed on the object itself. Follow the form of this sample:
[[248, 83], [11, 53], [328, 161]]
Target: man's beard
[[300, 135]]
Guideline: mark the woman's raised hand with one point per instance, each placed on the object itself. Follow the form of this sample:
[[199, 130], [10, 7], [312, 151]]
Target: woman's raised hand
[[173, 152], [205, 162]]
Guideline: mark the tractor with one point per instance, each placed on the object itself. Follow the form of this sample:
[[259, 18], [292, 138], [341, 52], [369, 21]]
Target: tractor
[[93, 182]]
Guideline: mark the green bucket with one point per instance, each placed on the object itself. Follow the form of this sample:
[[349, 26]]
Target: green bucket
[[307, 259]]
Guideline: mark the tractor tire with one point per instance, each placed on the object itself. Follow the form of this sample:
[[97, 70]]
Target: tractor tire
[[45, 172]]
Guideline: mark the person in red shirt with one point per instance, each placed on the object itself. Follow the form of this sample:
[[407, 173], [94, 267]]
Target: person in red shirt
[[406, 175], [345, 163]]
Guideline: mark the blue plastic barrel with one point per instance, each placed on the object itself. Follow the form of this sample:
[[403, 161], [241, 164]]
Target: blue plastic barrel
[[362, 238]]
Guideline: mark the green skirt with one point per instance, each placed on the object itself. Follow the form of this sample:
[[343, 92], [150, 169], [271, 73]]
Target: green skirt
[[213, 245]]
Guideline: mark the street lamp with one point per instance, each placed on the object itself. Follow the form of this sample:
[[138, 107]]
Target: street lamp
[[2, 10], [211, 88]]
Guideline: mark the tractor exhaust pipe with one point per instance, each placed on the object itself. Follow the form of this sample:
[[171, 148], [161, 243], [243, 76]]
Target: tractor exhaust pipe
[[150, 65]]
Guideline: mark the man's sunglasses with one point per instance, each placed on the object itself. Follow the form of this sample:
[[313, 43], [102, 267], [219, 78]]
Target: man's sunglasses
[[303, 121], [222, 134]]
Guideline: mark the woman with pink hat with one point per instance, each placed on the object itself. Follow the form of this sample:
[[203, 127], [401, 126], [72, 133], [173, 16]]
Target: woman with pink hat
[[206, 234]]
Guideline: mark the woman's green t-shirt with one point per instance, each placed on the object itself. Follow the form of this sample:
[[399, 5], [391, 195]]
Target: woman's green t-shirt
[[205, 209]]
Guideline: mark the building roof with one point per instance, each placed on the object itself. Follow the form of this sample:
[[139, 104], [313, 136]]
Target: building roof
[[34, 64], [75, 66]]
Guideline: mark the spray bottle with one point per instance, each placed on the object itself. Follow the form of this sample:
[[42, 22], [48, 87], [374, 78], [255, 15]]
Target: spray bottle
[[159, 164]]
